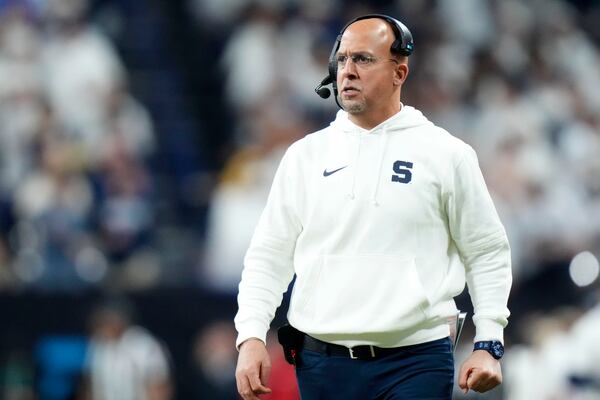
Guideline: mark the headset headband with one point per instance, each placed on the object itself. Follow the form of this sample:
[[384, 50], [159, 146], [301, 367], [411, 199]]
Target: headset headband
[[403, 45]]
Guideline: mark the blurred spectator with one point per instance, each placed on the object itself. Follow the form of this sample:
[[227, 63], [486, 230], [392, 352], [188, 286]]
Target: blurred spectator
[[125, 362], [239, 198], [6, 275], [125, 207], [59, 360], [21, 108], [129, 122], [56, 202], [561, 361], [16, 376], [81, 71], [584, 374], [253, 51], [212, 371], [211, 374], [286, 57]]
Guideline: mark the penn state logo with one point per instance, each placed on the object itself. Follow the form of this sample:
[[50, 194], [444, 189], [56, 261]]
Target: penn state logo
[[403, 173]]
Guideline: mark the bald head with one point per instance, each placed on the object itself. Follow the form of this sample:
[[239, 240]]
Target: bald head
[[374, 31]]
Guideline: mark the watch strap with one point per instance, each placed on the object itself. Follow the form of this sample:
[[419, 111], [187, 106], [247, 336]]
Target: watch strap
[[494, 347]]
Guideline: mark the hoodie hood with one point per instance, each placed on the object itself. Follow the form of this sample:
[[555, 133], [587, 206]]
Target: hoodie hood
[[408, 117]]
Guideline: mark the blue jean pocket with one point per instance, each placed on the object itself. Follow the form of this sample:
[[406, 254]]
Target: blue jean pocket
[[309, 359]]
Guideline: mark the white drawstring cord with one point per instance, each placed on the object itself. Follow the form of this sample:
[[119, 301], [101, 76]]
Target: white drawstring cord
[[383, 142], [351, 195]]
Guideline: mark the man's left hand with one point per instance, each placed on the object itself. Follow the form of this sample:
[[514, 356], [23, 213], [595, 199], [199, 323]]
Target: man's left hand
[[480, 372]]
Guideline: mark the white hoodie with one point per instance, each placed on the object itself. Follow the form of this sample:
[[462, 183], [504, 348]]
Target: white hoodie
[[381, 227]]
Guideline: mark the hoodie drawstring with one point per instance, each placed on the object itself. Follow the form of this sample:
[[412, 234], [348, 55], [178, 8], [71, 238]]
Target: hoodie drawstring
[[406, 118], [382, 149], [355, 168]]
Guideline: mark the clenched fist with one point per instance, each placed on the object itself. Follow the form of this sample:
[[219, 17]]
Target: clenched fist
[[253, 369], [480, 372]]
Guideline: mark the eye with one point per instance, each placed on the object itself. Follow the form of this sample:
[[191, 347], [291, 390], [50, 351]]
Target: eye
[[361, 59], [341, 59]]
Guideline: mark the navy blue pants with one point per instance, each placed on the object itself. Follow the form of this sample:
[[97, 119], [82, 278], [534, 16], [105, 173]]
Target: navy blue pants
[[423, 371]]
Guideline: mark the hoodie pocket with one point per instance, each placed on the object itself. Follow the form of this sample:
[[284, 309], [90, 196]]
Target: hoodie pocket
[[369, 293]]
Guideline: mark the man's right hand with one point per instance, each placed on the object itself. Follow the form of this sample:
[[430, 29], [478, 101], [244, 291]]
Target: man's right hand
[[253, 369]]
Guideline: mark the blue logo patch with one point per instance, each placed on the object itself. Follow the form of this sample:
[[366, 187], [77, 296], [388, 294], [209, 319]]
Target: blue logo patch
[[403, 171]]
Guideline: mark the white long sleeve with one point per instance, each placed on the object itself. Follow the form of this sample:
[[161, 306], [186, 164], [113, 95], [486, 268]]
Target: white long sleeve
[[483, 246], [268, 264]]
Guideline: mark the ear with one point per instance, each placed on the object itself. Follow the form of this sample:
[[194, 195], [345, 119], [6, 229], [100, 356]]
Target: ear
[[400, 74]]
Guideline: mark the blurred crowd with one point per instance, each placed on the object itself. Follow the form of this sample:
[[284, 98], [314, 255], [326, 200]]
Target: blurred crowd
[[519, 80], [75, 192]]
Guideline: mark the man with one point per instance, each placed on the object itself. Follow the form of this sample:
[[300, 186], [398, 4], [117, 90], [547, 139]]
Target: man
[[381, 216], [125, 362]]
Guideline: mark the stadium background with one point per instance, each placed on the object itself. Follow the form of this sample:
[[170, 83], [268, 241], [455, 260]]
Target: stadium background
[[138, 140]]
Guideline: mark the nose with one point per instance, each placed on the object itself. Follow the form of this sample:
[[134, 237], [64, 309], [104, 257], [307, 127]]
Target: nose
[[349, 70]]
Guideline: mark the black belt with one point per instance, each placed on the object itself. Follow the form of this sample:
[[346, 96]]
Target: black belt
[[357, 353]]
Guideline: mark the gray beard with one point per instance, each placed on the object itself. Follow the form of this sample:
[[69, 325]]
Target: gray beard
[[354, 107]]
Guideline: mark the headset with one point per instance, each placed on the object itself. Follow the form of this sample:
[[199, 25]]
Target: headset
[[403, 45]]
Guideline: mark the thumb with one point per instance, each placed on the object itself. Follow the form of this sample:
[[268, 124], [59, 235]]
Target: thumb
[[465, 375], [265, 372], [473, 378]]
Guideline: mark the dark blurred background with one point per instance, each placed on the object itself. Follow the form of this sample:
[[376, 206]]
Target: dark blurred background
[[138, 140]]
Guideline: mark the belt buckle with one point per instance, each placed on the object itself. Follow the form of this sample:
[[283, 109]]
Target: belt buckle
[[352, 356], [351, 351]]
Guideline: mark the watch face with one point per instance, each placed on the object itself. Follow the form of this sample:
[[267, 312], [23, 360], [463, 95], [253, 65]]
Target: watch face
[[497, 349]]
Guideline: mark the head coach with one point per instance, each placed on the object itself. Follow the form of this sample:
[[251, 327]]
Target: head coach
[[382, 217]]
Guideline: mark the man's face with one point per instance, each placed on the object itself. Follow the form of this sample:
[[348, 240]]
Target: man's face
[[109, 326], [367, 75]]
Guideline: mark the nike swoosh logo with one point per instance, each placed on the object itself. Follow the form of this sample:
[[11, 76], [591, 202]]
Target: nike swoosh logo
[[327, 173]]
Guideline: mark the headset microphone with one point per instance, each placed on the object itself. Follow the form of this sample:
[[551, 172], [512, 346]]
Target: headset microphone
[[324, 92]]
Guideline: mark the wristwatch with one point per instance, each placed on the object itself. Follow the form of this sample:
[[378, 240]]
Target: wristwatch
[[494, 347]]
